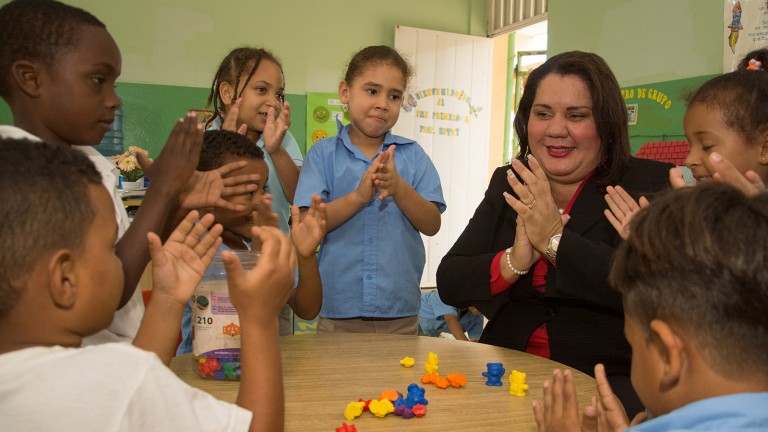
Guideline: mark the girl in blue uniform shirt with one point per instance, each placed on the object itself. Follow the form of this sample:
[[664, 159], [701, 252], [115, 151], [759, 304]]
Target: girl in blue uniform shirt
[[248, 95], [382, 191]]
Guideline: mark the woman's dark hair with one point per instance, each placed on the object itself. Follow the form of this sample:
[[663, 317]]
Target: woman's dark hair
[[608, 109], [232, 70], [376, 55], [740, 97]]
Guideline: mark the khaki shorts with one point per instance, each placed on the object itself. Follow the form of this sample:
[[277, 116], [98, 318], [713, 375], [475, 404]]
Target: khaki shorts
[[404, 326]]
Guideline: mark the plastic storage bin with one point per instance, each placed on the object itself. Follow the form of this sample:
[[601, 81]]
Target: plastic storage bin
[[215, 323]]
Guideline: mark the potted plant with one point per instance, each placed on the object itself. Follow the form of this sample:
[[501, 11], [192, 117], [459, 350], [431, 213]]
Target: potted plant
[[130, 170]]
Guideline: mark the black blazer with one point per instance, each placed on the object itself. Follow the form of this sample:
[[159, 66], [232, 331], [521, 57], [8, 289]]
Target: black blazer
[[584, 315]]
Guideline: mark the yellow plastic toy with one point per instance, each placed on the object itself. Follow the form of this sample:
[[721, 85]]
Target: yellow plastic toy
[[407, 361], [380, 408], [432, 363], [354, 410], [517, 385]]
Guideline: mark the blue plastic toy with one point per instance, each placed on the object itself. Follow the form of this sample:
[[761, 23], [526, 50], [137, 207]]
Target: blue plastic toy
[[494, 374]]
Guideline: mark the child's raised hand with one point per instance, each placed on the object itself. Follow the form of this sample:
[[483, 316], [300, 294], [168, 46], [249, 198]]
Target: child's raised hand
[[180, 263], [260, 293], [209, 188], [387, 179], [560, 409], [230, 121], [749, 183], [307, 233], [178, 158], [676, 178], [610, 413], [263, 214], [276, 128], [622, 208]]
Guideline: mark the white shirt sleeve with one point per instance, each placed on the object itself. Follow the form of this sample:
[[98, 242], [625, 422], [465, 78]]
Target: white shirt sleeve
[[163, 402]]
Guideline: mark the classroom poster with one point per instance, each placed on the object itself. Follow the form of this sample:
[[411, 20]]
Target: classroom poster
[[745, 29], [322, 111]]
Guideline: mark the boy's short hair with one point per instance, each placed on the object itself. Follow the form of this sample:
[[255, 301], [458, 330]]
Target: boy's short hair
[[45, 206], [219, 144], [37, 30], [697, 258]]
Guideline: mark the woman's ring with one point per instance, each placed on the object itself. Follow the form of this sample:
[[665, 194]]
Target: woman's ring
[[530, 206]]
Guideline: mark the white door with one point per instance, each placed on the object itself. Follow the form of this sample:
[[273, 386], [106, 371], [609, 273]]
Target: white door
[[446, 109]]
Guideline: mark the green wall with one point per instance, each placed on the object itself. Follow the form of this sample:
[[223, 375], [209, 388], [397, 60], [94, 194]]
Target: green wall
[[644, 41], [171, 48], [661, 107], [658, 49]]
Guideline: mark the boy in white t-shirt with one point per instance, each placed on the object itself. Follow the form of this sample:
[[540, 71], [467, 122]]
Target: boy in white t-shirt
[[61, 281], [58, 72]]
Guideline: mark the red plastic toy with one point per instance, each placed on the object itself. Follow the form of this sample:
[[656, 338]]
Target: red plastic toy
[[419, 410], [346, 428]]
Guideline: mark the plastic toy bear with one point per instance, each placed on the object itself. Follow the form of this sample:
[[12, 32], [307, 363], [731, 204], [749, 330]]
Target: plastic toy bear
[[494, 374], [432, 363], [354, 410], [517, 385]]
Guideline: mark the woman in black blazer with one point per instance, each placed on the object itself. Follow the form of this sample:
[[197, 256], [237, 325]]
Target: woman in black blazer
[[535, 256]]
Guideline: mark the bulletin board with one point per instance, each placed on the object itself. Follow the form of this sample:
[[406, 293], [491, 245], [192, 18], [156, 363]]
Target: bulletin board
[[322, 111]]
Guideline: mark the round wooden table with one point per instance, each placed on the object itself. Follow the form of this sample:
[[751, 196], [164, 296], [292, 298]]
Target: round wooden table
[[323, 373]]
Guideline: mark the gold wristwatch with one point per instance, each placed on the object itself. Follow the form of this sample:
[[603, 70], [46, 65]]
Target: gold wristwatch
[[551, 252]]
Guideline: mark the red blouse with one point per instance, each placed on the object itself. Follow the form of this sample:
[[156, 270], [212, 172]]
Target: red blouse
[[538, 343]]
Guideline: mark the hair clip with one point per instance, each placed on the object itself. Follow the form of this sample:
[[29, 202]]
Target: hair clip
[[755, 64]]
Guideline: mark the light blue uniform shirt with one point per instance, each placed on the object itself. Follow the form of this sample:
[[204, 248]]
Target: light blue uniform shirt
[[371, 264], [432, 321], [734, 413], [280, 204]]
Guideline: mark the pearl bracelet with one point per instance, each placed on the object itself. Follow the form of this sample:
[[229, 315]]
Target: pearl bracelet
[[507, 253]]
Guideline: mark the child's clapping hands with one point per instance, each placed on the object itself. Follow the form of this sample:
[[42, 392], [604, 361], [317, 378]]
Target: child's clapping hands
[[177, 267]]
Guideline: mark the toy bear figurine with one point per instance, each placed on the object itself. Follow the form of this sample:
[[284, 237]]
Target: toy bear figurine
[[494, 374]]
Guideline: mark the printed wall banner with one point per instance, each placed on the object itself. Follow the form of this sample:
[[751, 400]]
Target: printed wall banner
[[745, 29]]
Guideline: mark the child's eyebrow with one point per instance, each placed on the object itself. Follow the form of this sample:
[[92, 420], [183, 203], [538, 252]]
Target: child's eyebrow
[[105, 65], [379, 86]]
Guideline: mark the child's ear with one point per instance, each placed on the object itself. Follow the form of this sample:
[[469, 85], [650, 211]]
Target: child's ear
[[26, 74], [669, 346], [343, 92], [764, 150], [226, 93], [62, 279]]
